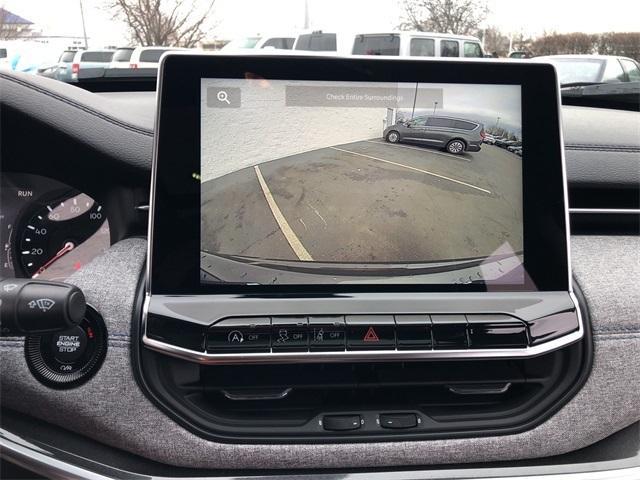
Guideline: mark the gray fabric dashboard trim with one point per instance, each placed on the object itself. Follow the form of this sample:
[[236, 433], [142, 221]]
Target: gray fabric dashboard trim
[[112, 409]]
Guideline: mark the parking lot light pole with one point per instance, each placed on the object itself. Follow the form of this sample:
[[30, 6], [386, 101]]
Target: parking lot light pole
[[84, 28]]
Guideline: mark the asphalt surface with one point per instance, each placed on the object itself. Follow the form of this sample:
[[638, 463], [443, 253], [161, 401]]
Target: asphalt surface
[[367, 201]]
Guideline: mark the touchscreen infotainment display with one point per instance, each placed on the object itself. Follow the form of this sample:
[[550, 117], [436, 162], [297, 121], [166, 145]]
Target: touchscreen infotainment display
[[332, 182]]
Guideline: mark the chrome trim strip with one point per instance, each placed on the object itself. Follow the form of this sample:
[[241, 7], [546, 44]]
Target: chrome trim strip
[[358, 355], [605, 211]]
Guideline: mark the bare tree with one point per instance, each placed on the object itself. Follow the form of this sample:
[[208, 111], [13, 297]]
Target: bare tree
[[460, 17], [12, 27], [626, 44], [565, 43], [495, 42], [177, 23]]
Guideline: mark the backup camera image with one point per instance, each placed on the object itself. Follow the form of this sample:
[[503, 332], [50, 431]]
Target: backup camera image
[[308, 182]]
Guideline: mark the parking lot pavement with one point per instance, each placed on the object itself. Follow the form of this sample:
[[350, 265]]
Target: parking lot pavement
[[367, 201]]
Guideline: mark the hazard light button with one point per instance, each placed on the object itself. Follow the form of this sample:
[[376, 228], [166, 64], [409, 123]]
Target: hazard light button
[[370, 332]]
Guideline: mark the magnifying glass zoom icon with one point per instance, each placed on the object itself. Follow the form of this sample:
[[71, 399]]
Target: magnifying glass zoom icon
[[223, 97]]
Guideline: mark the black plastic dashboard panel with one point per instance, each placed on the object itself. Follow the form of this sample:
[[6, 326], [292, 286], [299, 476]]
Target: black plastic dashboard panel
[[279, 397], [192, 327]]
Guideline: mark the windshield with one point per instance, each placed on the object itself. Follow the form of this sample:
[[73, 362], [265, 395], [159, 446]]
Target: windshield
[[377, 45], [96, 57], [578, 70], [67, 57], [317, 42], [587, 46], [122, 55], [152, 56]]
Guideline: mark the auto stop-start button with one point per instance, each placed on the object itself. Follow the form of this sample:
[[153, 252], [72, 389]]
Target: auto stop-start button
[[68, 346]]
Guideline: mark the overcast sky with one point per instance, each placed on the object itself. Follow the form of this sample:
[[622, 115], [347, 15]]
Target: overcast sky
[[482, 103], [233, 18]]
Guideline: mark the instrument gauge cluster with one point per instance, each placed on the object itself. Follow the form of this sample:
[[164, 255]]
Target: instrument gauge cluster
[[48, 229]]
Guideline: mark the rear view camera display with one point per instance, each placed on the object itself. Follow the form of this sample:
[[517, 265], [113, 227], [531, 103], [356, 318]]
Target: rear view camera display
[[307, 182]]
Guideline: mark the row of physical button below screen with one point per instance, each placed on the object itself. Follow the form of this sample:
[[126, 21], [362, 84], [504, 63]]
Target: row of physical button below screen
[[366, 332]]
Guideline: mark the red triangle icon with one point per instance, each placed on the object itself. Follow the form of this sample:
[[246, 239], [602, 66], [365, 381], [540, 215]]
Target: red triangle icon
[[371, 336]]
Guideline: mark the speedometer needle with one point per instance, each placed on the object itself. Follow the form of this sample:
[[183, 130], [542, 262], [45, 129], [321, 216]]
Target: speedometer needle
[[63, 251]]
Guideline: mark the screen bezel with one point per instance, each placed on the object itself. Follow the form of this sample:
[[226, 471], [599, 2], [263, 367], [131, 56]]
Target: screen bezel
[[174, 244]]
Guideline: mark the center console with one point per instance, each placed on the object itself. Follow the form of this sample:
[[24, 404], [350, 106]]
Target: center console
[[358, 249]]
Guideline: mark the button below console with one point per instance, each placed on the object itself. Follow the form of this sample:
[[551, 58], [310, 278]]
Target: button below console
[[398, 420], [289, 334], [496, 331], [327, 333], [449, 332], [234, 335], [370, 332], [414, 332], [341, 422]]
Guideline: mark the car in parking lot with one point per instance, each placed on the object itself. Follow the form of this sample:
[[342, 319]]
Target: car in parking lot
[[455, 135], [63, 70], [514, 146], [417, 44], [87, 59], [488, 138], [506, 144], [587, 69], [139, 57]]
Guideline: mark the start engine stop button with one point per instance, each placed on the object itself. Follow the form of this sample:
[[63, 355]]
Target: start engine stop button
[[68, 346]]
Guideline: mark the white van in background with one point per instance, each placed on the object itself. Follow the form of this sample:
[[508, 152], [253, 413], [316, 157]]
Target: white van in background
[[417, 44], [403, 44], [279, 42], [139, 57], [324, 42]]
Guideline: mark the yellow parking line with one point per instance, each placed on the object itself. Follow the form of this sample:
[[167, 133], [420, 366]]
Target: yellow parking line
[[286, 229], [426, 172]]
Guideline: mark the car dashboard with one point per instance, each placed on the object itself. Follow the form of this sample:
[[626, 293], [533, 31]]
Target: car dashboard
[[74, 204]]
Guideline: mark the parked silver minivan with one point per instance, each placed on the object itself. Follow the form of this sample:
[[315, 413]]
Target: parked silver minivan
[[455, 135]]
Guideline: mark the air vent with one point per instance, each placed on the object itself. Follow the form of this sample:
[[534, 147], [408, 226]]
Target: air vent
[[285, 402]]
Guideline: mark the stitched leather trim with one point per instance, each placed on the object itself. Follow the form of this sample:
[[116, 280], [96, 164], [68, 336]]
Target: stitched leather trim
[[79, 106]]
